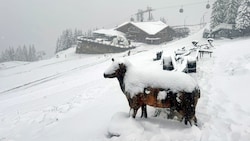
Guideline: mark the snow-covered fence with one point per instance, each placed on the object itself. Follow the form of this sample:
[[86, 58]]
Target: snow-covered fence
[[203, 48], [185, 60], [180, 61], [187, 64], [165, 89], [205, 51], [99, 46]]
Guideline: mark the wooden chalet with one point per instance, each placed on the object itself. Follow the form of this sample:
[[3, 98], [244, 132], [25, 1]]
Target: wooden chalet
[[147, 32], [115, 40]]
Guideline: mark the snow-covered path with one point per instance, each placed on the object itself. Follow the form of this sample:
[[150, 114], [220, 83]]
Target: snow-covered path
[[224, 107]]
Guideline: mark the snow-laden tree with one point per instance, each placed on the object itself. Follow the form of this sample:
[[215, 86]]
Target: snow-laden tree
[[231, 11], [58, 45], [64, 41], [67, 39], [20, 54], [163, 20], [8, 55], [218, 13], [243, 17], [11, 53], [24, 54], [76, 34], [32, 53]]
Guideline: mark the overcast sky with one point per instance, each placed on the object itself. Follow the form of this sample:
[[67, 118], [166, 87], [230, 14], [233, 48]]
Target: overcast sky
[[40, 22]]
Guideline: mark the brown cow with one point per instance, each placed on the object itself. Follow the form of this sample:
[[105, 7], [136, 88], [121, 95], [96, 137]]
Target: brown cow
[[181, 103]]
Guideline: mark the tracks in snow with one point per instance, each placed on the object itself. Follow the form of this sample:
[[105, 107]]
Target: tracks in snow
[[52, 77]]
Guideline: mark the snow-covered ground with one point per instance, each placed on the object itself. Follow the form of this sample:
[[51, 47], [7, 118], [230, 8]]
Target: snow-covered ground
[[66, 98]]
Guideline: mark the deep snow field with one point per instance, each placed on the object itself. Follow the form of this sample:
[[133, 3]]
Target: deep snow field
[[66, 98]]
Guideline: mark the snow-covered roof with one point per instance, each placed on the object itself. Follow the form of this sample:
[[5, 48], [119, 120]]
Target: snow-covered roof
[[109, 32], [149, 27]]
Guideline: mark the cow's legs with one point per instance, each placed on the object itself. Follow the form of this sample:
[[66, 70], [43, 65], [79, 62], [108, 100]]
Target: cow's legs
[[195, 121], [144, 111], [133, 112]]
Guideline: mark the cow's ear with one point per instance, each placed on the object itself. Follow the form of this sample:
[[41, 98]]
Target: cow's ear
[[113, 59]]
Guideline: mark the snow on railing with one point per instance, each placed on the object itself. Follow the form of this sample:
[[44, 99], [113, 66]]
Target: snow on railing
[[100, 41], [184, 60]]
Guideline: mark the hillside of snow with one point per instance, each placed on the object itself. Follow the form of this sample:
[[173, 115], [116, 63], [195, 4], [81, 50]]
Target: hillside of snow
[[66, 98]]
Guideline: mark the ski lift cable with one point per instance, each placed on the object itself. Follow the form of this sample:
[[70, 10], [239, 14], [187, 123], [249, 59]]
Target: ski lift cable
[[183, 5], [166, 7]]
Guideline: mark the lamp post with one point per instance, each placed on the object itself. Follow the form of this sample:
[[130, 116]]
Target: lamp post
[[202, 21], [185, 21]]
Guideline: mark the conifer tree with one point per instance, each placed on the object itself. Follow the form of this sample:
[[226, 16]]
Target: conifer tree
[[32, 53], [25, 53], [67, 39], [243, 17], [20, 54], [231, 11], [218, 13]]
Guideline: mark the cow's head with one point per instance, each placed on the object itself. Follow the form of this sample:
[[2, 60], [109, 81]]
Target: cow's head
[[117, 69]]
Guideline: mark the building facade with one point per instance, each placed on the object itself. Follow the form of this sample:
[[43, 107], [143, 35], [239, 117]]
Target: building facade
[[147, 32]]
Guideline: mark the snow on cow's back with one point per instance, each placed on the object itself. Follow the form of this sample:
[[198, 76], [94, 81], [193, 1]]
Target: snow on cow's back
[[136, 79]]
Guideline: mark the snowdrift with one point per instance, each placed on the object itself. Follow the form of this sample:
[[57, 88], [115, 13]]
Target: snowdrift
[[122, 127]]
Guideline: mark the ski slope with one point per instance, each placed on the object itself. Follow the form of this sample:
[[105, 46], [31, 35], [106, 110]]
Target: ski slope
[[66, 97]]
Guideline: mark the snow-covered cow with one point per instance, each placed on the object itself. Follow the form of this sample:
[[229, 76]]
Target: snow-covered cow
[[175, 90]]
